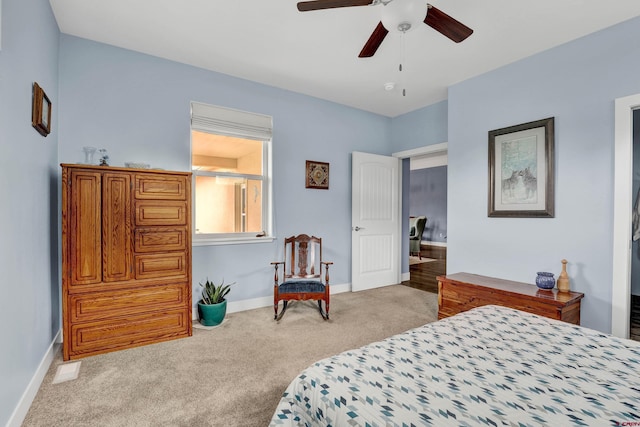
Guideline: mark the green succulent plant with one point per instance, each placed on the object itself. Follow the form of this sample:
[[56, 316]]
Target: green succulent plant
[[214, 294]]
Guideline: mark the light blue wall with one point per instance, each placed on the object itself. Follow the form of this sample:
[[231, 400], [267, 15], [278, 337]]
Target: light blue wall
[[577, 84], [428, 197], [419, 128], [29, 307], [406, 171], [137, 106]]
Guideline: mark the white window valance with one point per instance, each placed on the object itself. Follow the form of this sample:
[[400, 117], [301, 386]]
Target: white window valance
[[230, 122]]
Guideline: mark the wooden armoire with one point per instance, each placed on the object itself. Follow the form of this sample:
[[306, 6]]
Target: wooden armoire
[[126, 258]]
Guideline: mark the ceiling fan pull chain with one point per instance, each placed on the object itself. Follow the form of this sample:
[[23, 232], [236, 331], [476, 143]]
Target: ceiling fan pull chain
[[402, 56]]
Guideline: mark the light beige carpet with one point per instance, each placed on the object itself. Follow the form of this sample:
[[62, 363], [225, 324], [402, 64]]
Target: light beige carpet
[[232, 375]]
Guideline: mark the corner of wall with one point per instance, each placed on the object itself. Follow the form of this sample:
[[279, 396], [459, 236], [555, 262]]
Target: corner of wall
[[21, 410]]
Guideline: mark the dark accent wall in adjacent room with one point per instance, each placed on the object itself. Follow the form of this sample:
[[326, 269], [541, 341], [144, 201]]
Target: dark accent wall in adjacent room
[[428, 197]]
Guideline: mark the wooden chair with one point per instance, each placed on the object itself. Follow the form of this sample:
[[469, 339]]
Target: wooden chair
[[301, 274], [416, 228]]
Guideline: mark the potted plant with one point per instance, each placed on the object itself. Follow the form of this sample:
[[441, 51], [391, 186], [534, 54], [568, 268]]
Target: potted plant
[[212, 306]]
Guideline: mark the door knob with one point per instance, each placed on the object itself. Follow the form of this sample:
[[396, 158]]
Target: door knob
[[358, 228]]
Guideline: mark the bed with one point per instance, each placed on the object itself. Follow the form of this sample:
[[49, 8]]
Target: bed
[[492, 366]]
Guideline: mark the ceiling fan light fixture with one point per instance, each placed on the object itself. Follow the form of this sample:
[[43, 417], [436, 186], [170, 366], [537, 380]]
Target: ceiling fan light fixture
[[402, 15]]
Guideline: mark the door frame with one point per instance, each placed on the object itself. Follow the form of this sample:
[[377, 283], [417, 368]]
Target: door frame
[[434, 149], [432, 153], [622, 208]]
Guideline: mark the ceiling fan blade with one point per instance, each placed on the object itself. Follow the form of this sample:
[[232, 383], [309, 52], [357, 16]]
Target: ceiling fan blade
[[374, 42], [446, 25], [305, 6]]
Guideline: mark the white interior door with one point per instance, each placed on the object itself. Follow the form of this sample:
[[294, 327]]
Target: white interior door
[[375, 221]]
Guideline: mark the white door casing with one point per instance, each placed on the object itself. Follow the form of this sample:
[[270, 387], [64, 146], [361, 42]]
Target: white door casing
[[622, 205], [375, 221]]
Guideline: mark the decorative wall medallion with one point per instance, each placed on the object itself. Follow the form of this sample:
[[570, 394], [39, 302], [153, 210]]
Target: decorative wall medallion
[[317, 175]]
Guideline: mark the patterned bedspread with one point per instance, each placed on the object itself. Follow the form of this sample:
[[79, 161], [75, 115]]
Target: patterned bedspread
[[491, 366]]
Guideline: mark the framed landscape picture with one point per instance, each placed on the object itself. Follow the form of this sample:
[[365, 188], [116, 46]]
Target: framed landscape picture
[[521, 170]]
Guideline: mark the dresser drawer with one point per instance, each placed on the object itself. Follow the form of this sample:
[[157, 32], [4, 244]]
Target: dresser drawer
[[93, 306], [108, 335], [463, 291], [160, 239], [164, 213], [159, 187], [165, 265]]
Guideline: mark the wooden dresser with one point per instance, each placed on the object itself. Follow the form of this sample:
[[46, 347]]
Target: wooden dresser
[[126, 258], [462, 291]]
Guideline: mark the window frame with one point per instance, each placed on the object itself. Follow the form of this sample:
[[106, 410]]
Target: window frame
[[213, 239]]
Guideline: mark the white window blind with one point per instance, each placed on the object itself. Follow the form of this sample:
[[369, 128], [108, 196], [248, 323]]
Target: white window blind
[[230, 122]]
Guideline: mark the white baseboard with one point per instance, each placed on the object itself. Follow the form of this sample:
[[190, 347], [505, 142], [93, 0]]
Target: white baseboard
[[250, 304], [428, 243], [19, 414], [405, 277]]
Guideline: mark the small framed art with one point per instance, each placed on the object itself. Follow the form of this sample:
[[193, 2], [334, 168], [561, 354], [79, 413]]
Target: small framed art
[[41, 112], [521, 170], [317, 175]]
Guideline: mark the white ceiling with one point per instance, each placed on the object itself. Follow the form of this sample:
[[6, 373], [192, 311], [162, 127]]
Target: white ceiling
[[316, 53]]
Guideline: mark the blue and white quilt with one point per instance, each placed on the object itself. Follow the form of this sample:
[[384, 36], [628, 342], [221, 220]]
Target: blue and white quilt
[[490, 366]]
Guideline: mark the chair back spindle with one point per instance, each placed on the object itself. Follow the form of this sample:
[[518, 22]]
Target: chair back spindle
[[301, 251]]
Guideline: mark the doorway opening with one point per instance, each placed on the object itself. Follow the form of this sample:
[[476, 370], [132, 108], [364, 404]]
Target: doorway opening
[[424, 194], [634, 323], [622, 215]]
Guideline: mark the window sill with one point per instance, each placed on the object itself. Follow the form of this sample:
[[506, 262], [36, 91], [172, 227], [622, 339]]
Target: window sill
[[230, 241]]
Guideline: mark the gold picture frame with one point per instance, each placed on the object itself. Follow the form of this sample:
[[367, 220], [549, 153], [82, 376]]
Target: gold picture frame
[[521, 170], [41, 111], [317, 175]]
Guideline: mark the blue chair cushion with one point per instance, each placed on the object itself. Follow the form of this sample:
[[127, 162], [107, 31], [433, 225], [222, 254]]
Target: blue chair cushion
[[294, 286]]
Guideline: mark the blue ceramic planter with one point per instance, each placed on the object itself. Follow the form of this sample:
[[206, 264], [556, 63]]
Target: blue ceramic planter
[[545, 280]]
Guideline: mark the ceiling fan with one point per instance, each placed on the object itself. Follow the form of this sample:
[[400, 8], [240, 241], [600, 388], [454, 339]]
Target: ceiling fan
[[397, 14]]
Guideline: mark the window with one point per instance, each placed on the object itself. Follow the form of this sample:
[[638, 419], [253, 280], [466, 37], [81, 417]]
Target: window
[[230, 160]]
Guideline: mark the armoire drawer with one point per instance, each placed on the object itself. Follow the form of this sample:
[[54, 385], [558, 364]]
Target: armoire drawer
[[93, 306], [150, 212], [108, 335], [160, 187], [160, 239], [164, 265]]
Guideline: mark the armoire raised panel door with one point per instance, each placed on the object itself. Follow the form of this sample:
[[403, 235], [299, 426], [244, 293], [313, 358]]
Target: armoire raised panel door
[[117, 244], [83, 229], [126, 258]]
